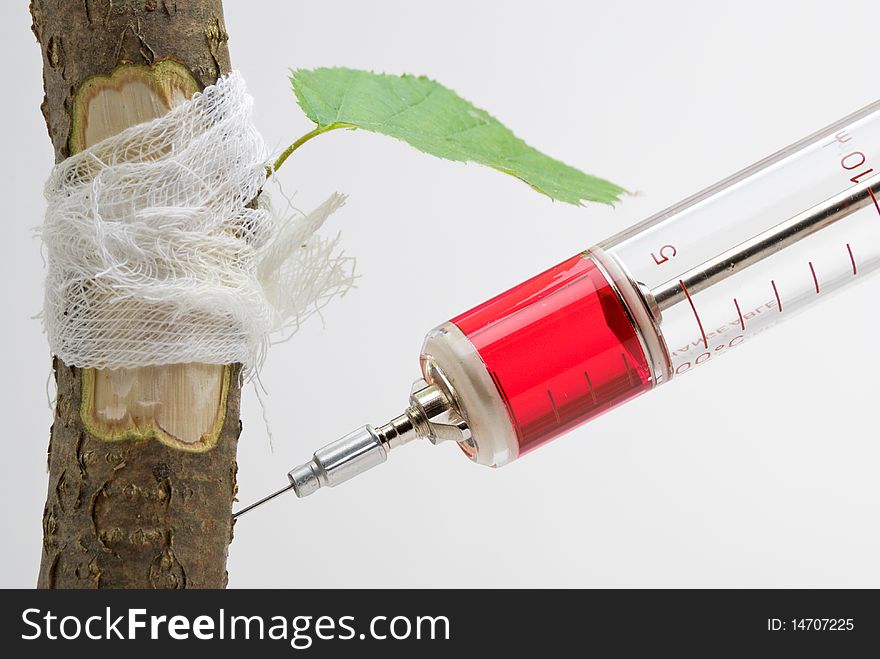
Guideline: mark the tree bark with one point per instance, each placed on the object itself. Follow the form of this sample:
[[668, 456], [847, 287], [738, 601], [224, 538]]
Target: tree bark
[[141, 461]]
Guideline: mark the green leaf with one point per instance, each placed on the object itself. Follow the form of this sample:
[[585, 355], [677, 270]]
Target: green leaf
[[438, 121]]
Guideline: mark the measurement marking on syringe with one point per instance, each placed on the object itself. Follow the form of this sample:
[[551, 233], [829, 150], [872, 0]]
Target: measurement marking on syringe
[[553, 403], [776, 293], [852, 259], [592, 391], [742, 322], [815, 279], [696, 315], [874, 199]]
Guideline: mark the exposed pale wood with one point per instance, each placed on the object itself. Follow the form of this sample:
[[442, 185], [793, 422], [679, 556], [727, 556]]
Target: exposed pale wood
[[175, 404]]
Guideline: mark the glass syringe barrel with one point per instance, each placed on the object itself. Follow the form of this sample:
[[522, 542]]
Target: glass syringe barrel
[[670, 294]]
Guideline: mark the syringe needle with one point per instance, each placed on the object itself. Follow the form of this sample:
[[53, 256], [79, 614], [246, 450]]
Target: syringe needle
[[261, 501], [333, 464], [430, 415]]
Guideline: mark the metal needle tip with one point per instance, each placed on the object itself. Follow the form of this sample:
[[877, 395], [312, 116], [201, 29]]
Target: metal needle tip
[[262, 501]]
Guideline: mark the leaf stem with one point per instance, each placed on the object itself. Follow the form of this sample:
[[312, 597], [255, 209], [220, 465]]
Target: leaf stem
[[302, 140]]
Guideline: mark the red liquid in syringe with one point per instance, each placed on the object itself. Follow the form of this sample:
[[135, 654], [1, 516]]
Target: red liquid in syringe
[[560, 348]]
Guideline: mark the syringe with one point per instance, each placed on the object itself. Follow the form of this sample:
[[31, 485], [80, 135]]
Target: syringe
[[671, 293]]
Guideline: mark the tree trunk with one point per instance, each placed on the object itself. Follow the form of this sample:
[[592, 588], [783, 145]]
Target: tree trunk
[[141, 461]]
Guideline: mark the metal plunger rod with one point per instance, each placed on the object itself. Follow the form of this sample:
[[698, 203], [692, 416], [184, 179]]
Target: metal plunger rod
[[769, 242]]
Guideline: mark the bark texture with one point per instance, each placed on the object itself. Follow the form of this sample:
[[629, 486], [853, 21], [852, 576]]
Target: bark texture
[[130, 513]]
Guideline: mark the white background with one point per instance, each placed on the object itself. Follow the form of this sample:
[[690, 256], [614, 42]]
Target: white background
[[758, 470]]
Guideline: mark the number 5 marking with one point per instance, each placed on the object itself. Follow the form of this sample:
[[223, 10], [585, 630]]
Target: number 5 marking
[[666, 253]]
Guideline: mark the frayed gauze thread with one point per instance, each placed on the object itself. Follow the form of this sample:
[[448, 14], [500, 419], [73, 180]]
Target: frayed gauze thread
[[157, 253]]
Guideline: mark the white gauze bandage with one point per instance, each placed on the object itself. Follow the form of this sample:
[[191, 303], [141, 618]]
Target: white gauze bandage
[[157, 253]]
